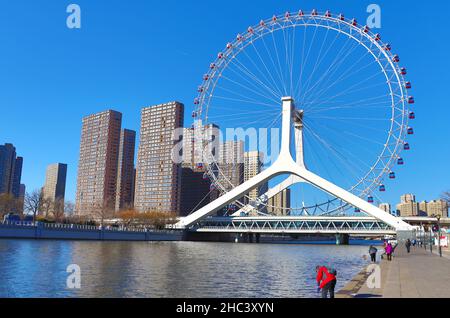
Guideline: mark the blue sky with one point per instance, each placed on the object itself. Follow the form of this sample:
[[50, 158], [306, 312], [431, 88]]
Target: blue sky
[[131, 54]]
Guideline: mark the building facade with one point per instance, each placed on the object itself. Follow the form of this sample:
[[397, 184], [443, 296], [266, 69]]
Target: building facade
[[231, 164], [408, 206], [125, 171], [386, 207], [253, 165], [434, 208], [55, 182], [158, 177], [280, 203], [98, 163], [10, 170]]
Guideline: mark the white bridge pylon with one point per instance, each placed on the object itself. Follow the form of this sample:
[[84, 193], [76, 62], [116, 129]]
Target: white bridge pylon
[[285, 164]]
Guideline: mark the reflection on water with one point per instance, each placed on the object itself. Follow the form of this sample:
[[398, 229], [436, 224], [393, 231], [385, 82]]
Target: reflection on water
[[31, 268]]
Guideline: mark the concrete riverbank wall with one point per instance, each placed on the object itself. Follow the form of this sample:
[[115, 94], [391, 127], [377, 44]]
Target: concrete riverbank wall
[[84, 232]]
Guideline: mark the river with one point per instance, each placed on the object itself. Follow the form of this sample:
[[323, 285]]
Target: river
[[31, 268]]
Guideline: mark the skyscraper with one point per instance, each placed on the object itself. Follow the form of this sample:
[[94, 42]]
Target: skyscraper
[[55, 182], [231, 164], [97, 167], [280, 203], [158, 177], [253, 163], [10, 170], [195, 185], [386, 207], [17, 176], [125, 172], [435, 207], [408, 206], [21, 205]]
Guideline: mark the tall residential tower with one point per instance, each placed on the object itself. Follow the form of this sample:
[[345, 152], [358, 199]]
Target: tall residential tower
[[97, 168], [55, 182], [158, 176], [125, 172]]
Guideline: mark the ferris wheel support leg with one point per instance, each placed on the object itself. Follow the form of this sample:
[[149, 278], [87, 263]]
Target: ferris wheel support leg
[[350, 198]]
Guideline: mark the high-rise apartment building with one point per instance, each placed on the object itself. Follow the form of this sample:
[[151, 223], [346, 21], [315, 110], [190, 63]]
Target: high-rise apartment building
[[125, 171], [23, 190], [434, 208], [280, 203], [10, 170], [201, 143], [98, 163], [158, 176], [253, 164], [386, 207], [231, 164], [408, 206], [55, 182], [195, 189], [195, 185]]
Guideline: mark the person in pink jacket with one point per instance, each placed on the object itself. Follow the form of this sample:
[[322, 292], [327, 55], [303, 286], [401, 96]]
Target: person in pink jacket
[[389, 249]]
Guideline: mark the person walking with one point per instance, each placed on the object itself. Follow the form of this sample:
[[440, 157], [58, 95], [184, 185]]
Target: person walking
[[389, 250], [326, 281], [408, 245], [373, 253]]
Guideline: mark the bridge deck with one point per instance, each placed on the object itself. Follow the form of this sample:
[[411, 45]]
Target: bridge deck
[[294, 225]]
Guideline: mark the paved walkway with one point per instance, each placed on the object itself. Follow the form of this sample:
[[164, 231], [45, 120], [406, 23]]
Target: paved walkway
[[419, 274]]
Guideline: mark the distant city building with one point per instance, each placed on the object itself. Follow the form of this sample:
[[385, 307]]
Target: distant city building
[[231, 164], [434, 208], [158, 177], [280, 204], [10, 170], [55, 182], [17, 176], [423, 208], [199, 142], [125, 171], [253, 164], [195, 189], [195, 184], [386, 207], [407, 198], [22, 193], [408, 206], [98, 163]]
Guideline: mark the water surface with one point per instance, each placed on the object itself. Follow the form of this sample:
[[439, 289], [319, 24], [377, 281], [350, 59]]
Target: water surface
[[31, 268]]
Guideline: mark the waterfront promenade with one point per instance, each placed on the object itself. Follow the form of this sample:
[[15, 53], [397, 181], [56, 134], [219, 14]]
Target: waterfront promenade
[[419, 274]]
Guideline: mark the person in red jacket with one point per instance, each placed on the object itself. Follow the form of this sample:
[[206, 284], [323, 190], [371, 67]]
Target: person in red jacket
[[326, 280]]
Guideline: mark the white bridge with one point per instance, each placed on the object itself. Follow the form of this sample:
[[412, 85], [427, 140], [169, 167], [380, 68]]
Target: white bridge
[[379, 221], [364, 226]]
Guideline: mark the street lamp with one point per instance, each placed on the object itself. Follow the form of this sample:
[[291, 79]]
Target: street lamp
[[438, 217]]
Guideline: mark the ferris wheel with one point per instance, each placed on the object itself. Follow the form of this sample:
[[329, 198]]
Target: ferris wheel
[[351, 98]]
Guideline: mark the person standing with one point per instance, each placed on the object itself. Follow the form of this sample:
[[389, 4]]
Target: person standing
[[373, 253], [389, 250], [408, 245], [326, 281]]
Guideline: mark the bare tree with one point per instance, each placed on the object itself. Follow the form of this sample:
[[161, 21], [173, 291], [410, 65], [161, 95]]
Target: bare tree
[[8, 204], [33, 202], [446, 196], [104, 210], [58, 210], [46, 207]]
